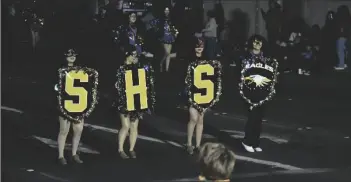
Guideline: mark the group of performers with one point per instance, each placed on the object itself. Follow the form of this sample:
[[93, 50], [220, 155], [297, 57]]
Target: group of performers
[[77, 89]]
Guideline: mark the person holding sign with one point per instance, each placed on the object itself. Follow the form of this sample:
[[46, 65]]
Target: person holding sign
[[257, 86], [77, 97], [136, 96], [203, 88]]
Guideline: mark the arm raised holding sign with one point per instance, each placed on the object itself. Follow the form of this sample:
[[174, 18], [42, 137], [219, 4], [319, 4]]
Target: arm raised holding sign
[[203, 93], [133, 99]]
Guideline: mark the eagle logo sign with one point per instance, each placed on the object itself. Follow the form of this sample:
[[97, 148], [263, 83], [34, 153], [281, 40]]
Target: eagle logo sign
[[259, 80]]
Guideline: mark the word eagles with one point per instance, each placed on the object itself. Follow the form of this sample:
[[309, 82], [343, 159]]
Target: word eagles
[[259, 65]]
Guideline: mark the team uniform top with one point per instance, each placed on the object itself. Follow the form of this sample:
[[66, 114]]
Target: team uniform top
[[127, 34], [169, 30]]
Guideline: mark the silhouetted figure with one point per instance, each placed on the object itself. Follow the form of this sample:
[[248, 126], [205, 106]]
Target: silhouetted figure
[[274, 18], [315, 40], [239, 27], [238, 34], [210, 35], [219, 15], [328, 46], [343, 28]]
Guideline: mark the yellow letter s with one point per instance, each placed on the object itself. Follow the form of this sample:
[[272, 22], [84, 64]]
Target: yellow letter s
[[200, 84], [81, 92]]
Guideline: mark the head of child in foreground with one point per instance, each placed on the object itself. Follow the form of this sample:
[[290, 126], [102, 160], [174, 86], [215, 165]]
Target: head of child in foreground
[[216, 162]]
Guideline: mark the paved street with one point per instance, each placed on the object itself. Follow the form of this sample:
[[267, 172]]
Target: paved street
[[305, 135]]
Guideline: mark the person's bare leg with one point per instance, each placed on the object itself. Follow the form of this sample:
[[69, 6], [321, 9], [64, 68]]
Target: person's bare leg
[[165, 55], [133, 136], [37, 39], [77, 133], [199, 130], [168, 58], [33, 39], [122, 134], [61, 139], [191, 126]]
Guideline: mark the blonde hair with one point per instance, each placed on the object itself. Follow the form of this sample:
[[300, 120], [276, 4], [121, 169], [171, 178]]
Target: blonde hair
[[216, 161]]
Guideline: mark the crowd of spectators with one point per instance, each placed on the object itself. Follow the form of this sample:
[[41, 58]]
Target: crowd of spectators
[[298, 46], [303, 48]]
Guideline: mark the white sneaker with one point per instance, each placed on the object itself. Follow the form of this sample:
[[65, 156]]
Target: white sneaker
[[339, 68], [248, 148], [258, 149], [149, 55], [300, 71]]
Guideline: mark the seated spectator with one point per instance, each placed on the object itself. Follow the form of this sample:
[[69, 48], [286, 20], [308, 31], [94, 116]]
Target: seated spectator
[[307, 60], [216, 162]]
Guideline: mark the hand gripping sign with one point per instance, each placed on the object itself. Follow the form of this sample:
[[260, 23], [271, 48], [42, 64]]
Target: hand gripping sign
[[135, 89], [77, 92], [258, 79], [204, 84]]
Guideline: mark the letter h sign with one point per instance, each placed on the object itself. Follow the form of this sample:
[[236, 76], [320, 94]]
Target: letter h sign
[[132, 89]]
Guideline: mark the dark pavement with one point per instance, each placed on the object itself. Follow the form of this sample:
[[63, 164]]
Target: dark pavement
[[306, 134]]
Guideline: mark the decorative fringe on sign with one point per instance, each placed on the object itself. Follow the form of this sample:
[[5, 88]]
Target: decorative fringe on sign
[[120, 86], [62, 74], [189, 83]]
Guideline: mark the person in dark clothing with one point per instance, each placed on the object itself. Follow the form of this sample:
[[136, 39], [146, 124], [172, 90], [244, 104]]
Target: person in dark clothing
[[130, 33], [219, 16], [328, 48], [12, 34], [343, 29], [307, 55], [274, 19], [297, 32], [281, 49], [36, 25], [315, 36], [257, 86]]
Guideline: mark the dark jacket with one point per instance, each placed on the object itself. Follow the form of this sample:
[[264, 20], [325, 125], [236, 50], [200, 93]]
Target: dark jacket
[[343, 28]]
